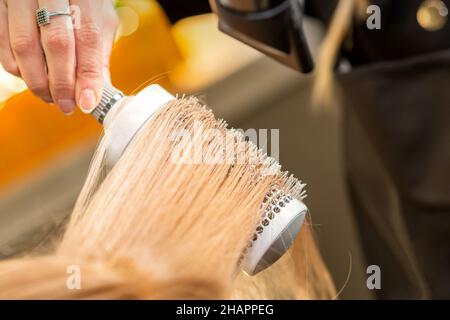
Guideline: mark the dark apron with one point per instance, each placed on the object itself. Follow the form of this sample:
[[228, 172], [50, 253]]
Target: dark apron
[[397, 141]]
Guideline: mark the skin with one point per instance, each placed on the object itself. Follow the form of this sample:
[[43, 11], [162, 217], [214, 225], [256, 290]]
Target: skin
[[65, 62], [212, 4]]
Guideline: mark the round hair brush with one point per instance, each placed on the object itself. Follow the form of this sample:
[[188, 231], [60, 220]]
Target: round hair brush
[[282, 212]]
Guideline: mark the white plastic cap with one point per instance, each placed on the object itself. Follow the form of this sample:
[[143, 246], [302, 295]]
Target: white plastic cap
[[133, 115], [275, 238]]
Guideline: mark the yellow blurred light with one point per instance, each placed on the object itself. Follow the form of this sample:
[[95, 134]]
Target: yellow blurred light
[[209, 55], [129, 21]]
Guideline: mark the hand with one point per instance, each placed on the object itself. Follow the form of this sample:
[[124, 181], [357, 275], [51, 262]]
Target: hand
[[212, 4], [59, 63]]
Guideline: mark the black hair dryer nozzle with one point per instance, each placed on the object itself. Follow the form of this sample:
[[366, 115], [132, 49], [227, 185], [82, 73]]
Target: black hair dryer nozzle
[[274, 27]]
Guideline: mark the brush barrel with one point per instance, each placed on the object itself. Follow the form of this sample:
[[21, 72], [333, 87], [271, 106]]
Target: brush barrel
[[271, 240]]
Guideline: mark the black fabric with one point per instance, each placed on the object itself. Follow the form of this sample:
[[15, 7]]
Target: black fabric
[[178, 9], [401, 190], [397, 138], [400, 35], [321, 9]]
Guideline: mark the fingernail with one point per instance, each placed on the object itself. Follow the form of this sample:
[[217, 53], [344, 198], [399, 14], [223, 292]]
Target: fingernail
[[67, 106], [69, 113], [87, 100], [47, 99]]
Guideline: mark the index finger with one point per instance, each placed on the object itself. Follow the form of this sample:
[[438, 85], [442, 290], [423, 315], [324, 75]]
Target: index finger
[[59, 46]]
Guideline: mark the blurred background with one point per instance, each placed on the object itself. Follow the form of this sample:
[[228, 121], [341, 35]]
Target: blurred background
[[44, 155]]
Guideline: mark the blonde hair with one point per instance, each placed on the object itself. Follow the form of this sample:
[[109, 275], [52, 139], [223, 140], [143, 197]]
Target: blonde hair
[[323, 91], [155, 228]]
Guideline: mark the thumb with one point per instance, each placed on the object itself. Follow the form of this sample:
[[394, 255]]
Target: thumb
[[89, 45], [89, 85]]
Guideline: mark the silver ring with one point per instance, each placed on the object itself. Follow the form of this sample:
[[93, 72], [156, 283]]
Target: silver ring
[[43, 16]]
